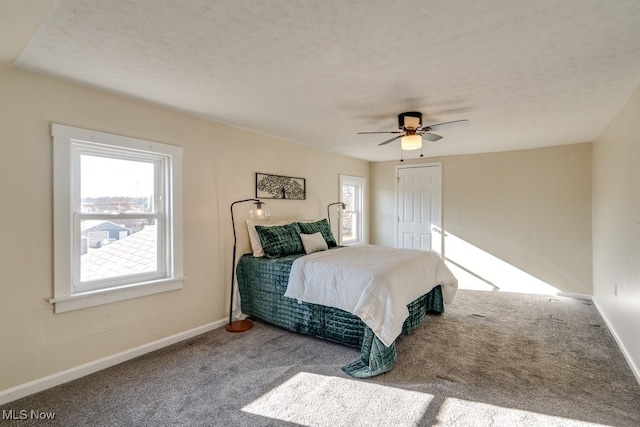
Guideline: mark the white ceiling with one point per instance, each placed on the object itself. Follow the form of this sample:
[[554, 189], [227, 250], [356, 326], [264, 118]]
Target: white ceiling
[[524, 73]]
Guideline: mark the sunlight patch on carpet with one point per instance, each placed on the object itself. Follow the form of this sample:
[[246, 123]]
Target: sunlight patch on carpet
[[469, 414], [318, 400]]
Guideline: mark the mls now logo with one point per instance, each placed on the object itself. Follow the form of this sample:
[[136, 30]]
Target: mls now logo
[[23, 414]]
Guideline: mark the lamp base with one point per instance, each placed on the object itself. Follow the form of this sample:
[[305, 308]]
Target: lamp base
[[239, 325]]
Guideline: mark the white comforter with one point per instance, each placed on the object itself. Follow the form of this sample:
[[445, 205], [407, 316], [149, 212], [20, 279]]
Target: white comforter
[[374, 283]]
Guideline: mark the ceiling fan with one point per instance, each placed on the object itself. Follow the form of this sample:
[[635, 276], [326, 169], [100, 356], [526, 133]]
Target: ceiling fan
[[413, 131]]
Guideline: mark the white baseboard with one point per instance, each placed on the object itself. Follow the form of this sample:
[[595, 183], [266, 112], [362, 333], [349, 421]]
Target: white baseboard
[[577, 296], [634, 368], [22, 390]]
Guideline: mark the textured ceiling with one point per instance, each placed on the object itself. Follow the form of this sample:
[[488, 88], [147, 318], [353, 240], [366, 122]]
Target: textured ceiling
[[524, 73]]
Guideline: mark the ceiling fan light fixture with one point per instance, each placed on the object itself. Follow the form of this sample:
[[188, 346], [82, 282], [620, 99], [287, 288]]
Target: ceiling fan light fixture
[[411, 142]]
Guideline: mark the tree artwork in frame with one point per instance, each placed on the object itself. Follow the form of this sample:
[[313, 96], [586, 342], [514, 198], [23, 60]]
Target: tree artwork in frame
[[280, 187]]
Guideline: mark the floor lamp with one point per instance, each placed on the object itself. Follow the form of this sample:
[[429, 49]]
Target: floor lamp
[[259, 211]]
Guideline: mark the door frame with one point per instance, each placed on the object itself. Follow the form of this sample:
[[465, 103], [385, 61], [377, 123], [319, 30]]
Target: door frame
[[437, 222]]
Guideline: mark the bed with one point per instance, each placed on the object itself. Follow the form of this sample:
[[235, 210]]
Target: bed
[[263, 282]]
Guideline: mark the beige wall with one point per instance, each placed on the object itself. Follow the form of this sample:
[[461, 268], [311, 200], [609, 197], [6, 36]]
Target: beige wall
[[530, 209], [219, 167], [616, 227]]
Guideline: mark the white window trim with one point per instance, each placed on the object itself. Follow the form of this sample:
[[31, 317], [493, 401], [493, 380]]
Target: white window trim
[[65, 299], [362, 182]]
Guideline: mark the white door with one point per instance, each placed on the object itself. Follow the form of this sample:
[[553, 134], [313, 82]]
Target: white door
[[419, 207]]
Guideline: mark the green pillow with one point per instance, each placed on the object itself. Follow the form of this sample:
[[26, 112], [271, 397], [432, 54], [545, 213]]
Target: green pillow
[[322, 227], [280, 240]]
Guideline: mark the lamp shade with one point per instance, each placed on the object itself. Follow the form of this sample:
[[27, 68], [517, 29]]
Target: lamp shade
[[340, 211], [260, 211], [411, 142]]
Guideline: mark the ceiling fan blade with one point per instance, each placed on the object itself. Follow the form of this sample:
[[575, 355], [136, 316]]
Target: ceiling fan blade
[[364, 133], [446, 125], [392, 139], [431, 136]]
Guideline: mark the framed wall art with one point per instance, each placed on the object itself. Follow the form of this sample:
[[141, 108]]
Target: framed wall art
[[280, 187]]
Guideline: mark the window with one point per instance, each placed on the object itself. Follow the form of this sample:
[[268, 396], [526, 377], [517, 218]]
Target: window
[[353, 223], [117, 218]]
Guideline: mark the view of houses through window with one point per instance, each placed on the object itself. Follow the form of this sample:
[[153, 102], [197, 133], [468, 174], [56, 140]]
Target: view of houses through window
[[117, 236]]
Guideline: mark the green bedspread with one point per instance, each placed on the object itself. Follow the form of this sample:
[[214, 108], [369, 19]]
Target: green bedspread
[[262, 283]]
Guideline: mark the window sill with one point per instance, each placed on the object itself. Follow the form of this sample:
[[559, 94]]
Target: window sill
[[105, 296], [353, 243]]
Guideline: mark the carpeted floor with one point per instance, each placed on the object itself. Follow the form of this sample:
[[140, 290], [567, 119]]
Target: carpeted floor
[[493, 358]]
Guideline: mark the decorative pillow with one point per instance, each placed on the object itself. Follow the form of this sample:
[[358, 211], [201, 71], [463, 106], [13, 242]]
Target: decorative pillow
[[256, 246], [280, 240], [313, 242], [321, 226]]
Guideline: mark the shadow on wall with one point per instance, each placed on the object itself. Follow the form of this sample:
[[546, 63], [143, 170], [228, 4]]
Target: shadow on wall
[[479, 270]]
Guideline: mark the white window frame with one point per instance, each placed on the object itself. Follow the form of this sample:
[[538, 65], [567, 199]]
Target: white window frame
[[69, 143], [359, 210]]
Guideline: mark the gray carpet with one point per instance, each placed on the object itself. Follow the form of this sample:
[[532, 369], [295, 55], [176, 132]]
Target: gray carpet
[[492, 359]]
